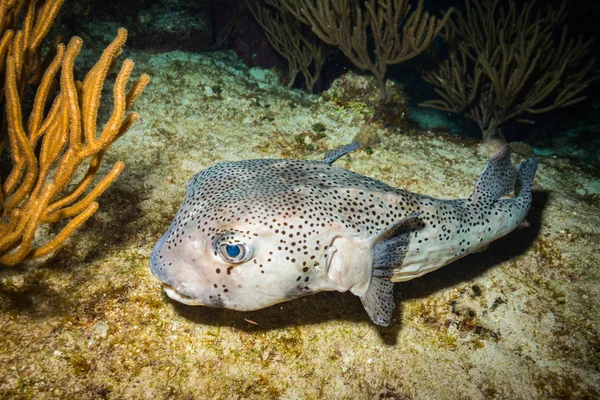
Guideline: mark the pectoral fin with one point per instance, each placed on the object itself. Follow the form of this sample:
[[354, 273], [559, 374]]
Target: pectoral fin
[[390, 244], [378, 300], [389, 248]]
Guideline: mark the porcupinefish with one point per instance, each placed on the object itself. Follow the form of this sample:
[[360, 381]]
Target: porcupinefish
[[254, 233]]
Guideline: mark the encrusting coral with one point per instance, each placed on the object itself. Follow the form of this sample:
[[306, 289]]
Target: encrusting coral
[[48, 174]]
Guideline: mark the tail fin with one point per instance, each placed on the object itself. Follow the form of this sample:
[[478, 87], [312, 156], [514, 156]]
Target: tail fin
[[499, 178], [526, 170]]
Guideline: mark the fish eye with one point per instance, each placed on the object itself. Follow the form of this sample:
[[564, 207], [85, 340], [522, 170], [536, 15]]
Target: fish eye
[[233, 250], [234, 253]]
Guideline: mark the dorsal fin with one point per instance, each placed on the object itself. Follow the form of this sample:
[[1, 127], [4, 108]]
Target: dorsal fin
[[332, 155]]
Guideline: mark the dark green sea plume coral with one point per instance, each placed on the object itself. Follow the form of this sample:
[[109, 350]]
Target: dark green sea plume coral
[[505, 63], [372, 34], [304, 52]]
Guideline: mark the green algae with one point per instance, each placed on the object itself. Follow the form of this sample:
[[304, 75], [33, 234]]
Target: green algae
[[319, 127], [359, 94], [298, 146]]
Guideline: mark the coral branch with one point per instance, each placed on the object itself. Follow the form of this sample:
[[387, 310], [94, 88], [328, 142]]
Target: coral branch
[[303, 51], [503, 64], [369, 34], [35, 190]]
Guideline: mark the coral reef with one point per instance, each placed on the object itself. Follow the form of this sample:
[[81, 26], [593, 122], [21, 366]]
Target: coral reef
[[517, 321], [361, 93], [304, 52]]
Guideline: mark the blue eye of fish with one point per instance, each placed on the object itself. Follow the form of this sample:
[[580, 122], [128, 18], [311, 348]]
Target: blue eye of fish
[[233, 250], [235, 253]]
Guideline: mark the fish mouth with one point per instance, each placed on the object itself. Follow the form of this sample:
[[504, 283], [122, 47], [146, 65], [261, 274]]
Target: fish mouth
[[180, 297]]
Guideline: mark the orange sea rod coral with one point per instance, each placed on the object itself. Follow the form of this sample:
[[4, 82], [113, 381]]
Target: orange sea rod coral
[[50, 150]]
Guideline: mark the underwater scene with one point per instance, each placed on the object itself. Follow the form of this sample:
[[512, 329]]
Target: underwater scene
[[287, 199]]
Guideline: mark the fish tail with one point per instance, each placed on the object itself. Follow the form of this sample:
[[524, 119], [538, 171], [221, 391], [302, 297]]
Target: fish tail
[[500, 178], [526, 171]]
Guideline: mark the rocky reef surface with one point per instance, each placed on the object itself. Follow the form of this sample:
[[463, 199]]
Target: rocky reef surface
[[517, 321]]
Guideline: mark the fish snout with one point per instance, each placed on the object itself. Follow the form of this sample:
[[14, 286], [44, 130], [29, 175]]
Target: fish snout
[[184, 275], [158, 263], [177, 295]]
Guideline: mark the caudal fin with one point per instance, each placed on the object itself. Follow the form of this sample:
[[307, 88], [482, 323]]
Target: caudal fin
[[500, 177], [526, 170]]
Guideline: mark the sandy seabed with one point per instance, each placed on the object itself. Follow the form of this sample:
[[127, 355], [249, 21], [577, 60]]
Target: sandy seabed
[[517, 321]]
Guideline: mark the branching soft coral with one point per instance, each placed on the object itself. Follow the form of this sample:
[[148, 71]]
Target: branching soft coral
[[44, 180], [372, 34], [505, 63]]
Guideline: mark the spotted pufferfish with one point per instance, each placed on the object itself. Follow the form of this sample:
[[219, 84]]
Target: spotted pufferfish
[[254, 233]]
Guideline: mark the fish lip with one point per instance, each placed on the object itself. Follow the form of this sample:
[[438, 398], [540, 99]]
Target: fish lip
[[180, 297]]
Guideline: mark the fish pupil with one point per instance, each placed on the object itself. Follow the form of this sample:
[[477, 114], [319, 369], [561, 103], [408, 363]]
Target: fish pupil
[[233, 250]]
